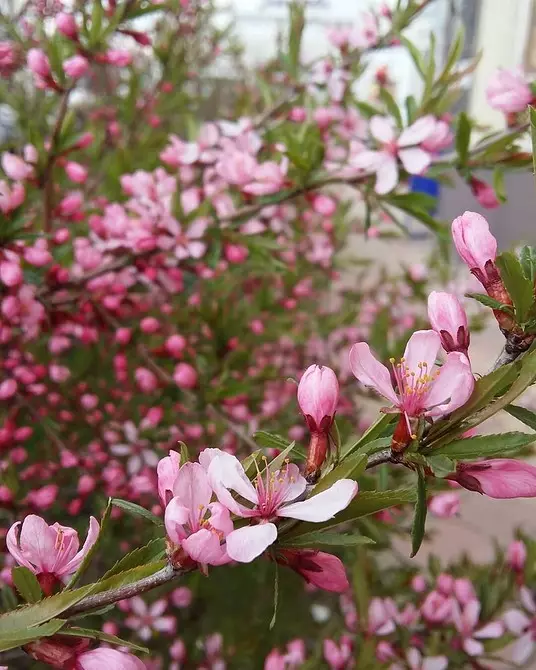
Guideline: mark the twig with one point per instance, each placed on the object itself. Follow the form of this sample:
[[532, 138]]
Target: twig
[[383, 456], [163, 576]]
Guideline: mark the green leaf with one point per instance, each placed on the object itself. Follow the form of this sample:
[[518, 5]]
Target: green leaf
[[128, 576], [278, 462], [527, 258], [419, 518], [91, 634], [21, 637], [152, 551], [87, 558], [498, 184], [137, 510], [463, 137], [490, 302], [521, 290], [486, 446], [391, 106], [319, 539], [416, 56], [19, 620], [351, 468], [411, 108], [362, 505], [270, 440], [532, 113], [276, 595], [454, 54], [441, 465], [26, 584], [372, 433], [185, 454], [522, 414]]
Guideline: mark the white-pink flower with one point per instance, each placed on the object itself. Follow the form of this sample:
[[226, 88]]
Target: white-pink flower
[[466, 620], [271, 497], [524, 626], [148, 618], [137, 449], [405, 147]]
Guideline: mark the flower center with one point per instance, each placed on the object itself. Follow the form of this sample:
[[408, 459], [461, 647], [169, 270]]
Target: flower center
[[271, 488], [413, 386]]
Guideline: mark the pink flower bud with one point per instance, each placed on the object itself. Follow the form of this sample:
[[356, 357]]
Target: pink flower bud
[[508, 91], [484, 193], [418, 584], [325, 205], [123, 335], [108, 658], [146, 380], [185, 376], [71, 204], [464, 591], [449, 320], [517, 555], [445, 583], [181, 597], [10, 273], [76, 67], [318, 397], [297, 114], [149, 325], [66, 24], [118, 57], [319, 568], [175, 345], [89, 401], [8, 388], [257, 327], [38, 63], [445, 505], [473, 241], [86, 484], [498, 478], [15, 167], [85, 140], [59, 373], [30, 154], [236, 253]]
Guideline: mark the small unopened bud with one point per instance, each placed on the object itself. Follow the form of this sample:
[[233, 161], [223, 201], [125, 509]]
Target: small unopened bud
[[449, 320]]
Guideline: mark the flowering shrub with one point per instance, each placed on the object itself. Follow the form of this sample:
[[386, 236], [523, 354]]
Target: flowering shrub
[[184, 360]]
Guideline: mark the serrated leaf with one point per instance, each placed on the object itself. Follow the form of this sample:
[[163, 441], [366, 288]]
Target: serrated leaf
[[270, 440], [137, 510], [369, 502], [278, 462], [419, 519], [29, 635], [490, 302], [372, 433], [485, 446], [351, 468], [527, 258], [441, 465], [75, 631], [88, 557], [498, 184], [26, 584], [520, 289], [523, 414], [152, 551], [463, 137], [319, 539]]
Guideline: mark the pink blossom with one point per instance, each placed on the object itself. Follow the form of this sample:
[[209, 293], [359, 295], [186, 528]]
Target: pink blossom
[[449, 320], [185, 376], [8, 388], [184, 243], [44, 497], [175, 345], [380, 620], [498, 478], [323, 570], [422, 390], [146, 380], [318, 397], [180, 153], [97, 659], [516, 555], [71, 204], [474, 243], [11, 197], [45, 549], [518, 623], [508, 91], [271, 497], [337, 656], [466, 619], [66, 24], [118, 57], [464, 591], [417, 662], [484, 193], [167, 471], [236, 253], [10, 273], [445, 505], [38, 63], [9, 58], [267, 178], [137, 449], [15, 167], [182, 597], [440, 138], [76, 67], [384, 162], [437, 608], [148, 618], [192, 522]]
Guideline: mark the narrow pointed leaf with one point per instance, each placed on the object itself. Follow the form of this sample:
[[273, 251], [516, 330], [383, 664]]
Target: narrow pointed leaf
[[26, 584], [136, 510], [351, 468], [21, 637], [153, 551], [317, 540], [486, 446], [520, 288], [419, 519], [75, 631], [523, 414]]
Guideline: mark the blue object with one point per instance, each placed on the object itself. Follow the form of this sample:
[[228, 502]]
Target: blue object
[[425, 185]]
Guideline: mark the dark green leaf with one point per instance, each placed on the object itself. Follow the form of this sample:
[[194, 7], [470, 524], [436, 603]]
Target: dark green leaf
[[87, 558], [136, 510], [498, 184], [463, 137], [152, 551], [350, 468], [26, 584], [527, 258], [319, 539], [485, 446], [419, 518], [372, 433], [523, 414], [391, 106], [521, 290], [75, 631], [411, 108], [441, 465], [490, 302], [416, 56], [270, 440], [20, 637], [276, 595]]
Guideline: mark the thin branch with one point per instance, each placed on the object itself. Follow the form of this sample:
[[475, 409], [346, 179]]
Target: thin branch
[[163, 576], [383, 456]]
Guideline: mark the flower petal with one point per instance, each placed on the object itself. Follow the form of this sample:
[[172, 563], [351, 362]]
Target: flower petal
[[192, 488], [382, 129], [91, 538], [453, 386], [473, 647], [370, 372], [415, 161], [13, 546], [203, 546], [37, 542], [323, 506], [228, 471], [516, 621], [175, 517], [386, 174], [245, 544], [491, 631], [422, 347], [417, 132], [522, 649]]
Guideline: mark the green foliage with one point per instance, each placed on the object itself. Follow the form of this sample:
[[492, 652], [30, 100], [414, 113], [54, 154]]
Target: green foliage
[[419, 517], [519, 287], [26, 584], [485, 446], [136, 510]]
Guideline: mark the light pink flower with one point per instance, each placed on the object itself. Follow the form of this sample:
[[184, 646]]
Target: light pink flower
[[508, 91], [449, 320], [271, 497], [323, 570], [440, 138], [118, 57], [498, 478], [384, 162], [380, 620], [337, 655], [184, 243], [466, 620], [9, 58], [148, 618], [136, 448], [267, 178], [422, 390], [11, 197], [185, 376], [516, 555], [97, 659], [417, 662], [45, 549], [38, 63], [192, 522], [66, 24], [445, 505], [76, 66], [318, 397], [167, 471], [518, 623], [15, 167], [437, 607], [474, 243]]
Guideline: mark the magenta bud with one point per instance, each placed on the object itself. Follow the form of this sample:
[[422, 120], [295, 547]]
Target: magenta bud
[[318, 397], [449, 320], [38, 63], [66, 24], [474, 242]]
